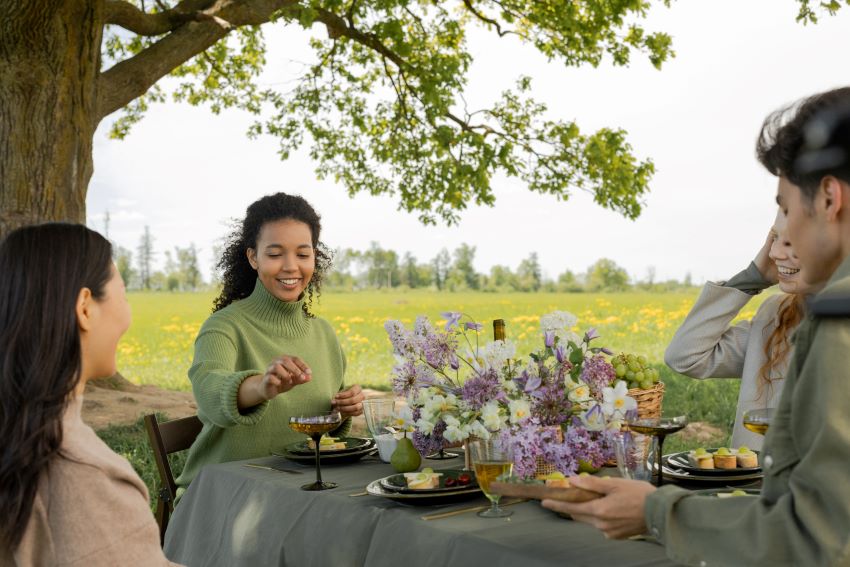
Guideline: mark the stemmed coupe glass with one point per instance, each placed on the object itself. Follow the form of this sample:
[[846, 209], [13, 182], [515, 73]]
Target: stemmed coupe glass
[[316, 425], [658, 427], [758, 420], [491, 461]]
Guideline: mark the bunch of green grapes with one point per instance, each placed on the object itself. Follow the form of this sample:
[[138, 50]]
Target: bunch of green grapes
[[635, 370]]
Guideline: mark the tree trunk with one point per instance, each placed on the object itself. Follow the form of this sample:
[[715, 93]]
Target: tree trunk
[[49, 64]]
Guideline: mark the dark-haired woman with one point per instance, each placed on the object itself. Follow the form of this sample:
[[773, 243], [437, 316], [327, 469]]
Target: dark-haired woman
[[757, 350], [65, 497], [262, 356]]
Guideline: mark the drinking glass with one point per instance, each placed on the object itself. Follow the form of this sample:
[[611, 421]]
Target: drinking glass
[[634, 453], [379, 414], [659, 427], [314, 426], [758, 420], [491, 461]]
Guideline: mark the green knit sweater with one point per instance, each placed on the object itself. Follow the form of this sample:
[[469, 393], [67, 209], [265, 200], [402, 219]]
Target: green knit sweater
[[240, 341]]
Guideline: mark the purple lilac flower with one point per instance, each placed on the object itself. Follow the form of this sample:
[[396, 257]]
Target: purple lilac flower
[[480, 389], [597, 373], [429, 444], [470, 326], [594, 448], [526, 442], [452, 318], [400, 339]]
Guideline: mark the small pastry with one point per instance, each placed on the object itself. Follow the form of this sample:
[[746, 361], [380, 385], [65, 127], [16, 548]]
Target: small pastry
[[701, 459], [327, 444], [747, 459], [555, 480], [422, 480], [724, 459]]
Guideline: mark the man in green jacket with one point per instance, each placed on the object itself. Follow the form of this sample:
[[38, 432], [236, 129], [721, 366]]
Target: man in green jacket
[[802, 516]]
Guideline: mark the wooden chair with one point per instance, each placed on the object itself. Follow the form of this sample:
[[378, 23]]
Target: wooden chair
[[166, 438]]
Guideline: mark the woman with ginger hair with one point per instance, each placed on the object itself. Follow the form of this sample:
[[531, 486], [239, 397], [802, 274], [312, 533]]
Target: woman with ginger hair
[[757, 351]]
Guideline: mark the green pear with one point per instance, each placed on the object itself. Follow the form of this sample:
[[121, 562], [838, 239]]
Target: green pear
[[405, 458]]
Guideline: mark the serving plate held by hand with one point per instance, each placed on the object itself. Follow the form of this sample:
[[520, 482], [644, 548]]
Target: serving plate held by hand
[[675, 472]]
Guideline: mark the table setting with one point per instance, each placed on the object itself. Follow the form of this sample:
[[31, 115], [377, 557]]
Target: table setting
[[456, 461]]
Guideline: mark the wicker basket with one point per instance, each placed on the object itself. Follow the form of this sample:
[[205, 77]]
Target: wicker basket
[[544, 468], [649, 401]]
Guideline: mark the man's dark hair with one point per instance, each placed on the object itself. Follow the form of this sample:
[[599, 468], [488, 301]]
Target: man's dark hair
[[786, 137]]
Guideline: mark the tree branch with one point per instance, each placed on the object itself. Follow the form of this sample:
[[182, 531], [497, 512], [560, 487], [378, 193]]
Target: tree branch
[[485, 19], [132, 77], [128, 16]]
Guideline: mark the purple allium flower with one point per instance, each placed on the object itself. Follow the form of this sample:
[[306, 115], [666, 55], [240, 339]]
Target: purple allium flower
[[409, 376], [597, 373], [550, 405], [480, 389], [437, 349], [400, 338], [452, 318]]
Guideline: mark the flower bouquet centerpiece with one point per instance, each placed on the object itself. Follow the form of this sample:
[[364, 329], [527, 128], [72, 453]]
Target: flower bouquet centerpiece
[[558, 408]]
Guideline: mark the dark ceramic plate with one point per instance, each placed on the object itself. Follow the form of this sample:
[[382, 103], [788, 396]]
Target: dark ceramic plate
[[397, 483], [352, 444], [417, 498], [680, 461]]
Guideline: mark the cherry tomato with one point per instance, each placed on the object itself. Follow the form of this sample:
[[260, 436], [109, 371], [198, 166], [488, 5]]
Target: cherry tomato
[[450, 482], [464, 478]]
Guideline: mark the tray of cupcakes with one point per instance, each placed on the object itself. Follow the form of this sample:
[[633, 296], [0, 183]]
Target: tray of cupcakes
[[721, 464]]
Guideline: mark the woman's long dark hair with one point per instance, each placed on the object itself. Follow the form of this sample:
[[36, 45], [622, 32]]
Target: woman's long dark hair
[[238, 277], [42, 270]]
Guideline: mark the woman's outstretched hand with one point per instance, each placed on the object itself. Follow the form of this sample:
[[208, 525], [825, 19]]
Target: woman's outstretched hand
[[349, 402], [766, 266], [283, 373]]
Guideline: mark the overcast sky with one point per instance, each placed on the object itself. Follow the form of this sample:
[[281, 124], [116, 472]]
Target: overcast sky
[[184, 172]]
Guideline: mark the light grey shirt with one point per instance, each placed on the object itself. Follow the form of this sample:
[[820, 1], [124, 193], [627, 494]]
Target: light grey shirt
[[707, 345]]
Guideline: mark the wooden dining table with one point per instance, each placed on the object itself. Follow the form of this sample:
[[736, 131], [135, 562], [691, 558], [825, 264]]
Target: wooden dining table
[[234, 514]]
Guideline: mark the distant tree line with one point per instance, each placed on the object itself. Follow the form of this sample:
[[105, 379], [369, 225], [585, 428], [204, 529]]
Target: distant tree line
[[379, 268], [181, 271]]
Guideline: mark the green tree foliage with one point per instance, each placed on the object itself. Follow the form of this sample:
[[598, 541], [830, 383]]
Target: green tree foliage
[[381, 266], [529, 274], [144, 258], [124, 262], [462, 274], [606, 275], [440, 268], [382, 101]]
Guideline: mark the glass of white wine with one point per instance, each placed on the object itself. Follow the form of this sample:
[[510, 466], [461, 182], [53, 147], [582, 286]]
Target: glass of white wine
[[758, 420], [491, 461], [316, 425]]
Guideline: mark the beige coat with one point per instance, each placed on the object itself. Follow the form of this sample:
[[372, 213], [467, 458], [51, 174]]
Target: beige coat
[[708, 346], [91, 508]]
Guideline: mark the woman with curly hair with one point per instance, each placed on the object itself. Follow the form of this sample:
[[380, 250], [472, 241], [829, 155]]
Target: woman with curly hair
[[757, 350], [263, 356], [65, 497]]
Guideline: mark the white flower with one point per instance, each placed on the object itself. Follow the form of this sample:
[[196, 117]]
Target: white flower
[[509, 386], [616, 401], [490, 416], [593, 419], [403, 419], [496, 354], [519, 410], [478, 430], [579, 393], [424, 426], [455, 432], [558, 321]]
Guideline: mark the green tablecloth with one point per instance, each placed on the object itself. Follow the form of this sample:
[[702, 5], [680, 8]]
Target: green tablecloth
[[235, 515]]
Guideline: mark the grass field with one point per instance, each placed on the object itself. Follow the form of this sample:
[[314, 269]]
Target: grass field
[[158, 347]]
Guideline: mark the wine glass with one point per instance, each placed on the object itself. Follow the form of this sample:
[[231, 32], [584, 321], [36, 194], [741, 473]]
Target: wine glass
[[658, 427], [316, 425], [491, 461], [758, 420]]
